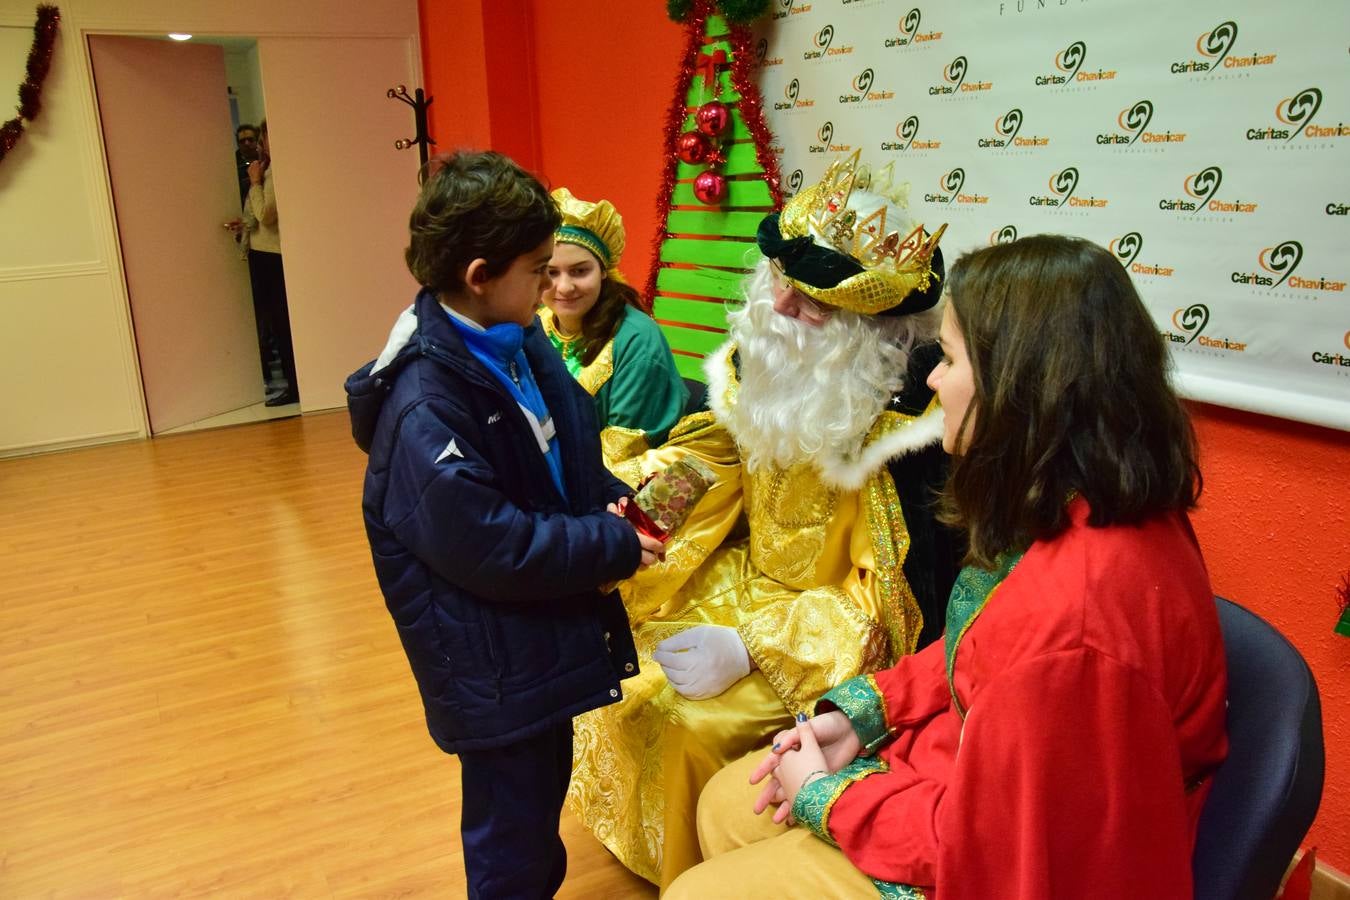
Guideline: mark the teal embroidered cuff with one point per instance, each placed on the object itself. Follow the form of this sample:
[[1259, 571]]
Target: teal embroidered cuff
[[861, 700], [814, 801], [892, 891]]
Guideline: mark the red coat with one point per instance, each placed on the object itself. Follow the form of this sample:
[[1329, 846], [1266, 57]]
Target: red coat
[[1095, 689]]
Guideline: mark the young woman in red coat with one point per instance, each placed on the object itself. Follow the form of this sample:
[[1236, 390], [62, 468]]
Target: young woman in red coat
[[1059, 741]]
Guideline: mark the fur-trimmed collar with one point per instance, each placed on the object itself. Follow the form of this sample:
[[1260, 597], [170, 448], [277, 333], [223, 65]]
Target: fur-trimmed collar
[[892, 436]]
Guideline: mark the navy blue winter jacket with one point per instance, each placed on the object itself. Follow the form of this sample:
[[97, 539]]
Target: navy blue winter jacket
[[490, 575]]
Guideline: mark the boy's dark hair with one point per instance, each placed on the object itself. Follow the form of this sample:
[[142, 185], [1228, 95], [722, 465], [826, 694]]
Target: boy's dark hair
[[604, 318], [1071, 394], [244, 126], [475, 205]]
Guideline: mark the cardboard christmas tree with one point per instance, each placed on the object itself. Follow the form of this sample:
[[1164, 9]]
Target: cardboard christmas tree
[[720, 180]]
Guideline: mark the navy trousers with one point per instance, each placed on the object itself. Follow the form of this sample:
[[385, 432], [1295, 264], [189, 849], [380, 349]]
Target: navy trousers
[[513, 797]]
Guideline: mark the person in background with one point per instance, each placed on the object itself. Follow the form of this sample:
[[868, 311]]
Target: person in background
[[266, 273], [245, 151], [1059, 741], [616, 351], [495, 529], [815, 556]]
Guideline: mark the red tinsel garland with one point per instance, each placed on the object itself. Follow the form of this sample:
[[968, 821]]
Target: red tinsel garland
[[30, 91], [751, 106], [675, 116], [1343, 600]]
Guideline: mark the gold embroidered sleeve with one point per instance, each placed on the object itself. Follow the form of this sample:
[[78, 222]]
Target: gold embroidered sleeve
[[808, 642], [621, 448], [703, 531], [897, 607]]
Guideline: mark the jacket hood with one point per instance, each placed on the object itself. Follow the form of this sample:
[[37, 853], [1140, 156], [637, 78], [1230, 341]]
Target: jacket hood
[[369, 385]]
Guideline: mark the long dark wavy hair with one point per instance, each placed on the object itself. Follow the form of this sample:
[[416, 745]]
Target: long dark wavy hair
[[1071, 395], [600, 324]]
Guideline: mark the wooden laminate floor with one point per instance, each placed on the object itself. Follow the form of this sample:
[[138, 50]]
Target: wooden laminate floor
[[200, 691]]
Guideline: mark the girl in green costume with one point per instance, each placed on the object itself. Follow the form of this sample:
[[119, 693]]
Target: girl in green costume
[[616, 351]]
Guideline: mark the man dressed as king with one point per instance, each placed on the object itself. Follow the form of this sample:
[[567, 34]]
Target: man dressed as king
[[816, 555]]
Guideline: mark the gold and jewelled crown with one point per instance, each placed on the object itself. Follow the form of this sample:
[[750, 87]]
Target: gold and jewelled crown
[[596, 226], [854, 212]]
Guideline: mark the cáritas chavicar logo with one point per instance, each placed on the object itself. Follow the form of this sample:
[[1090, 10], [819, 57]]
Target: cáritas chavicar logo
[[1134, 121], [825, 136], [1069, 69], [823, 45], [1191, 322], [1214, 47], [1006, 134], [906, 131], [910, 33], [1126, 249], [1062, 186], [1201, 189], [792, 97], [954, 80], [1278, 266], [1296, 115], [949, 185]]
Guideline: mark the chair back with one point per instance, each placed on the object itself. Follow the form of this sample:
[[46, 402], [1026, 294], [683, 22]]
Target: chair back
[[1266, 793], [697, 399]]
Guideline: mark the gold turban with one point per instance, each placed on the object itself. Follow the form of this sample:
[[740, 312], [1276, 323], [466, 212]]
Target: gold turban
[[596, 226]]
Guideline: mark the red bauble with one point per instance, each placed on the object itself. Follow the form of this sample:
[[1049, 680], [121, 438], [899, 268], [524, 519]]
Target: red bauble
[[713, 118], [693, 147], [710, 188]]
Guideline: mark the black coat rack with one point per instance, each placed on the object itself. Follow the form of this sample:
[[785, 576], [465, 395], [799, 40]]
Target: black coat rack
[[419, 102]]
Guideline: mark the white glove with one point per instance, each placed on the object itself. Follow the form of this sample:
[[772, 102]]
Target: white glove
[[703, 661]]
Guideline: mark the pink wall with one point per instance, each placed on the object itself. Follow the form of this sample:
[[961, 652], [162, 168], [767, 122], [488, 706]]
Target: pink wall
[[1273, 521]]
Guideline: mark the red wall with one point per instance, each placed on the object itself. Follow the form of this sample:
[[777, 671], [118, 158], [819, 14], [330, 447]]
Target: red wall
[[1275, 516], [1274, 522], [536, 81]]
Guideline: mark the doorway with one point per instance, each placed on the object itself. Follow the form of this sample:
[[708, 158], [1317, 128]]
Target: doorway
[[168, 112]]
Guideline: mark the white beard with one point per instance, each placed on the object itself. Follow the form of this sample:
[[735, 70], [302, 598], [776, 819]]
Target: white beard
[[812, 393]]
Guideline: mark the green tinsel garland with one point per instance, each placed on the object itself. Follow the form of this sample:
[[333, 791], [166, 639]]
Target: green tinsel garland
[[742, 12], [30, 89], [737, 12]]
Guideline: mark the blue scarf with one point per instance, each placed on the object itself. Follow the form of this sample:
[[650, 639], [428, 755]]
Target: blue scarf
[[501, 349]]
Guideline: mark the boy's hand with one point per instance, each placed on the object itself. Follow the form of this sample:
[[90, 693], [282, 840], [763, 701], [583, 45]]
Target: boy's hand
[[653, 551]]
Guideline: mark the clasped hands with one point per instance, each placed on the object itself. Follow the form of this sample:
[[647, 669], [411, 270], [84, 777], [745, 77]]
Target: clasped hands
[[814, 748]]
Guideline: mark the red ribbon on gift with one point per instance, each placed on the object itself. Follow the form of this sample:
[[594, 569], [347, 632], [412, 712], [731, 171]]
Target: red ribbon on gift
[[707, 66], [644, 523]]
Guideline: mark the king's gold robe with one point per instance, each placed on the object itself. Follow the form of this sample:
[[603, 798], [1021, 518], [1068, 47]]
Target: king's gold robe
[[807, 570]]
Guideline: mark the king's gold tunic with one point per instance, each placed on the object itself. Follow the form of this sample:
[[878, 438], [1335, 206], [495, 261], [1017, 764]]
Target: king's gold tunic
[[815, 591]]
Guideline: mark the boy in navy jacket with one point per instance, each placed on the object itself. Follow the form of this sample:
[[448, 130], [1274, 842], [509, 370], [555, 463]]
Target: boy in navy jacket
[[492, 521]]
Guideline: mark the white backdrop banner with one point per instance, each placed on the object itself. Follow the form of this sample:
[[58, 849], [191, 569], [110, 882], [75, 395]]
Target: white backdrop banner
[[1206, 143]]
